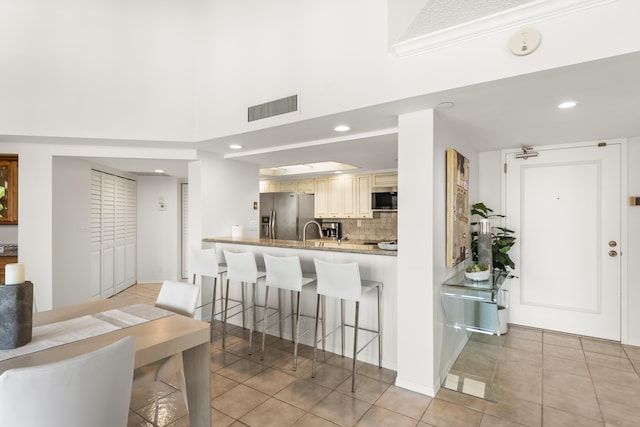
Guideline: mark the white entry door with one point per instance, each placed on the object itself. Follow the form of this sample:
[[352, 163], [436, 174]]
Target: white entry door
[[564, 206]]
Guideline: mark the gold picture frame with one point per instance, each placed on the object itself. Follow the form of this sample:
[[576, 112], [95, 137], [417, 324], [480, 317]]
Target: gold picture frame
[[458, 232]]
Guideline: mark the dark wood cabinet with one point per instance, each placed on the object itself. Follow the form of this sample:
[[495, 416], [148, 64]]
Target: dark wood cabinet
[[8, 189]]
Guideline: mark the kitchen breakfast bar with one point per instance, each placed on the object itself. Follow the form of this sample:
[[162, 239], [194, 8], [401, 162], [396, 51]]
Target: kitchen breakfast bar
[[374, 263]]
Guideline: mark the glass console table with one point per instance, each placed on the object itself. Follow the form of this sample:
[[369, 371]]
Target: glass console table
[[477, 306]]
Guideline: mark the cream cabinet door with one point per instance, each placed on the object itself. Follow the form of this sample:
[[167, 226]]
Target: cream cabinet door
[[321, 198], [384, 180], [305, 186], [285, 186], [363, 196], [336, 197], [268, 187], [349, 200]]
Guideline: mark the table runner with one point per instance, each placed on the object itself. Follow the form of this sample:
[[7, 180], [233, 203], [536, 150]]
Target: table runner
[[59, 333]]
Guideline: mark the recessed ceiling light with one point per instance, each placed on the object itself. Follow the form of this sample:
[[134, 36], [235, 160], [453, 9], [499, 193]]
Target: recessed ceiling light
[[158, 171], [567, 104], [235, 146], [446, 104], [341, 128], [337, 171]]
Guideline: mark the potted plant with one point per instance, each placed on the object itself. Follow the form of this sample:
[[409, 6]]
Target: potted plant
[[502, 239]]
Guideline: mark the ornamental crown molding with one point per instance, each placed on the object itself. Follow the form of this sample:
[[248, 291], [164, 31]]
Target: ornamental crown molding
[[513, 18]]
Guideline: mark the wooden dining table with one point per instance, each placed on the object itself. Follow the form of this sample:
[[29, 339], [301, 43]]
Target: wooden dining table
[[155, 340]]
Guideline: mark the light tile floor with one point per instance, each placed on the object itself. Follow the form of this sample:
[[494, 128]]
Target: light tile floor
[[541, 378]]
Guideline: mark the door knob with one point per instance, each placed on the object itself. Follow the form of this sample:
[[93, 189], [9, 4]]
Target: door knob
[[613, 243], [613, 253]]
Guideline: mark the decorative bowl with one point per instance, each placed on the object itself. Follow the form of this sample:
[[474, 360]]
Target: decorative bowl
[[478, 276], [388, 246]]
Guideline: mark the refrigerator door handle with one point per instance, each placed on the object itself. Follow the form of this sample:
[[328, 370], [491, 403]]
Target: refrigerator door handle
[[273, 224], [268, 228]]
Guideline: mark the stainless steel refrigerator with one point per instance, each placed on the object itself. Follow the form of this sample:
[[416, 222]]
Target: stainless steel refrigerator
[[283, 215]]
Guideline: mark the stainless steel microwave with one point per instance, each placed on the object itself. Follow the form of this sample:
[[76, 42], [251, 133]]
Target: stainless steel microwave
[[384, 201]]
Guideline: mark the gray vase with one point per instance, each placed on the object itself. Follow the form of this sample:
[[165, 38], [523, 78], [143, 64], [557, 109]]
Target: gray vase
[[16, 315], [485, 251]]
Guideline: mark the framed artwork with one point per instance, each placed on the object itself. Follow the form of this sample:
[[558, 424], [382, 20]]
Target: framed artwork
[[458, 232]]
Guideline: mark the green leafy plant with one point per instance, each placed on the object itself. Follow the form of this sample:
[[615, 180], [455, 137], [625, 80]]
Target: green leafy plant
[[502, 239]]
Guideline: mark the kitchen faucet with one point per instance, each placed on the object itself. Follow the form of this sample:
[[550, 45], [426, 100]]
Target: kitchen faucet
[[304, 230]]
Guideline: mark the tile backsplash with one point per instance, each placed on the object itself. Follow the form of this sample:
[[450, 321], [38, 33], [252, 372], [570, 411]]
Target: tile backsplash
[[383, 226]]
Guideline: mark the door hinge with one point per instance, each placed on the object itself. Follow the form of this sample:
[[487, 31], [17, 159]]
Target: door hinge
[[505, 168], [602, 144]]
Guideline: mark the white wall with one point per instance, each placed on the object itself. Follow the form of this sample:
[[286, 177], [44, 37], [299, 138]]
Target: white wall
[[416, 346], [35, 201], [176, 70], [257, 51], [221, 194], [490, 179], [159, 240], [633, 244], [71, 193], [423, 138], [447, 135], [98, 68]]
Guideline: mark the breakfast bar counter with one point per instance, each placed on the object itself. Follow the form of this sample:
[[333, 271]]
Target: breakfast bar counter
[[374, 264], [333, 245]]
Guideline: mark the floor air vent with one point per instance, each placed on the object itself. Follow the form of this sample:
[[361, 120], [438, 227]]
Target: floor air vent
[[273, 108]]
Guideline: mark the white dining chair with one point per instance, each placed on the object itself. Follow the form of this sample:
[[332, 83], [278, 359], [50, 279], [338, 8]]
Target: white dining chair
[[181, 298], [343, 282], [93, 389]]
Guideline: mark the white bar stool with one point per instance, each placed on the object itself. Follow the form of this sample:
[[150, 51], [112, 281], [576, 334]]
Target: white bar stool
[[241, 267], [285, 273], [204, 262], [342, 281]]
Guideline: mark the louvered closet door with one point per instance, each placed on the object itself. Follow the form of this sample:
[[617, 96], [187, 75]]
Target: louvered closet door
[[120, 233], [185, 230], [107, 238], [95, 233], [131, 232]]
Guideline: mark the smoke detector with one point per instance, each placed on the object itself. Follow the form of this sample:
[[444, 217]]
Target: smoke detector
[[525, 41]]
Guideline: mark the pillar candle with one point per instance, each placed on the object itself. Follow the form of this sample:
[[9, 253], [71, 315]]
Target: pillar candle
[[14, 274], [236, 232]]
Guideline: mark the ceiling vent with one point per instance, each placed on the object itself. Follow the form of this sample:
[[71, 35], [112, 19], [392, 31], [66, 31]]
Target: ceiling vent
[[273, 108]]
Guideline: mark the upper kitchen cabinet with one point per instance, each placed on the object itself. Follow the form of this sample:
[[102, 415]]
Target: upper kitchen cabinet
[[8, 189], [303, 186], [363, 196], [268, 187], [321, 198], [286, 186], [384, 180], [306, 186], [345, 196]]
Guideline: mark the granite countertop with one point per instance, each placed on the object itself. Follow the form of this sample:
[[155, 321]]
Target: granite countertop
[[354, 246], [8, 249]]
